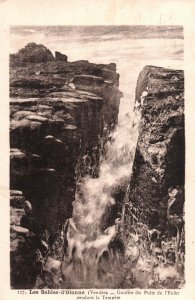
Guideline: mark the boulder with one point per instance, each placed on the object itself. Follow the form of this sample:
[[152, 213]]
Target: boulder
[[32, 53], [60, 57]]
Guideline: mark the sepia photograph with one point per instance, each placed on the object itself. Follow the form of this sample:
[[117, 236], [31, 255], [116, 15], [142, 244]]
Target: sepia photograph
[[97, 157]]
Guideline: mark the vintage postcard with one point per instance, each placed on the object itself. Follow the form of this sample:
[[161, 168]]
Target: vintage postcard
[[97, 195]]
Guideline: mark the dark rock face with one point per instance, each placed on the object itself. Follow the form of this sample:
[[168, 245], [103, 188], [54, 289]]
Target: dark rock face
[[32, 53], [160, 155], [59, 118], [61, 57], [47, 142], [16, 199]]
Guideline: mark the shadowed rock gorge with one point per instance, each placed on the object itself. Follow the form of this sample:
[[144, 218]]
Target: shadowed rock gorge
[[63, 115]]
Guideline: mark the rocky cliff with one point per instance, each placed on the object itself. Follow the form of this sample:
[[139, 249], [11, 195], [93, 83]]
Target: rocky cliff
[[159, 164], [60, 116]]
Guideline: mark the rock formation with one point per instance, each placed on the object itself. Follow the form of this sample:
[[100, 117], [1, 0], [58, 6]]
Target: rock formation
[[32, 53], [160, 155], [61, 57], [60, 115]]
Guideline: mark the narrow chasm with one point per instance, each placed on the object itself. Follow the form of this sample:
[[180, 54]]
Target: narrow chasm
[[96, 196]]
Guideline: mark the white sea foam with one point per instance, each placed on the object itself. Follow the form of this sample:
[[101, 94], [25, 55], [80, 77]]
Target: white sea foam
[[96, 194]]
